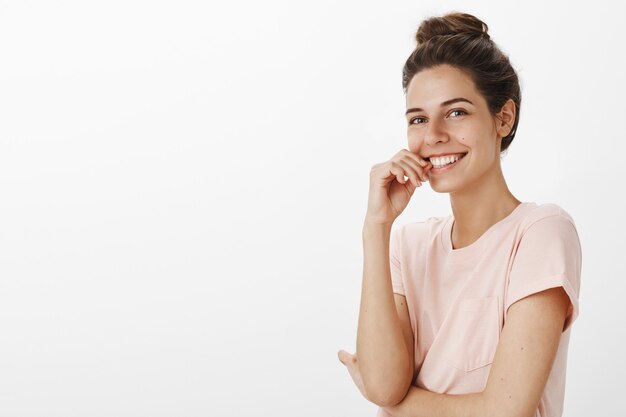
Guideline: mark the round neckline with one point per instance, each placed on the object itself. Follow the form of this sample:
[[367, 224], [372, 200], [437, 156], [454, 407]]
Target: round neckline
[[475, 247]]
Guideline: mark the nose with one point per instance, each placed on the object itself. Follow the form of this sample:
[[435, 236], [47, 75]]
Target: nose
[[435, 132]]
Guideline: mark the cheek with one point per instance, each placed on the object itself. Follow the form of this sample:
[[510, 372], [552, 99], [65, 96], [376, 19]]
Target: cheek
[[414, 142]]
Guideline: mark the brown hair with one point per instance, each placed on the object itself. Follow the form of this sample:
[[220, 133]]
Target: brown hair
[[461, 40]]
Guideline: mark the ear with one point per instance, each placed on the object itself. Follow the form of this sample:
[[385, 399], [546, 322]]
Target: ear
[[506, 118]]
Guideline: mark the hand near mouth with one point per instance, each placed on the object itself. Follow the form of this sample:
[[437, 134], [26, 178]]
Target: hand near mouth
[[390, 192]]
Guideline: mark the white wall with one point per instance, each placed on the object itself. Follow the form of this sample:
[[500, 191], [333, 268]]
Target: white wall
[[183, 185]]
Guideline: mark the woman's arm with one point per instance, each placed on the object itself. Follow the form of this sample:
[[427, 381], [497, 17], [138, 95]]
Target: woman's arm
[[385, 361], [522, 363]]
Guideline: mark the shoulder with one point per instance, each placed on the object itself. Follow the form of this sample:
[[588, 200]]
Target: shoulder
[[418, 233], [547, 217], [423, 227], [548, 228]]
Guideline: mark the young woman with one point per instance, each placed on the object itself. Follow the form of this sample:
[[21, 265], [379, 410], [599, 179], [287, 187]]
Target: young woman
[[468, 314]]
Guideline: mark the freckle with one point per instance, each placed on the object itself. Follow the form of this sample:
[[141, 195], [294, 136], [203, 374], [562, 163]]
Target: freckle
[[501, 379], [509, 396], [522, 348]]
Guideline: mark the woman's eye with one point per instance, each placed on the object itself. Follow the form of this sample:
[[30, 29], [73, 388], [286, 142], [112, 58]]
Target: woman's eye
[[413, 120], [458, 111]]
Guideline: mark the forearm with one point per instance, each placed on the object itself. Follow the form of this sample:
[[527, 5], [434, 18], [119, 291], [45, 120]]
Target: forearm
[[381, 348], [423, 403]]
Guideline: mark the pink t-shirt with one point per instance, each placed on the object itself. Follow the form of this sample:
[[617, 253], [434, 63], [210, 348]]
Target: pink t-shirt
[[458, 298]]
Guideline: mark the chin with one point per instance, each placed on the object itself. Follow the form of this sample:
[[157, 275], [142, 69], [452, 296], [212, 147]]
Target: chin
[[444, 186]]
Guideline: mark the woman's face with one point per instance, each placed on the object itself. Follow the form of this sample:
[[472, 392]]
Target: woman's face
[[454, 128]]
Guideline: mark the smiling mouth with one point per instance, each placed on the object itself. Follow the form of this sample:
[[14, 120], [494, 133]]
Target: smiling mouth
[[445, 161]]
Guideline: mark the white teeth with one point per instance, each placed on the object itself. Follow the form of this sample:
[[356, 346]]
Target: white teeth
[[439, 162]]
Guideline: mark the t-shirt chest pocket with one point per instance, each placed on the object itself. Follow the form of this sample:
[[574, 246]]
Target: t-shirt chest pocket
[[472, 332]]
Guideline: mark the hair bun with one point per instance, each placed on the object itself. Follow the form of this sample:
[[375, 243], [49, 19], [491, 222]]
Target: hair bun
[[451, 24]]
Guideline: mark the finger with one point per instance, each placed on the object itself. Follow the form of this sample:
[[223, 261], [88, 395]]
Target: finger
[[415, 162], [347, 357], [421, 161], [405, 170], [424, 170], [393, 170], [427, 170], [421, 175], [344, 357], [397, 170], [412, 184], [410, 171]]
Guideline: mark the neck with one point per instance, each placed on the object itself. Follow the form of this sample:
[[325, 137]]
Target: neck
[[478, 207]]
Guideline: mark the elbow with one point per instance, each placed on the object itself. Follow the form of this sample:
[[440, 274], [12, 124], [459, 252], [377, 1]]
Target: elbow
[[387, 395], [383, 399]]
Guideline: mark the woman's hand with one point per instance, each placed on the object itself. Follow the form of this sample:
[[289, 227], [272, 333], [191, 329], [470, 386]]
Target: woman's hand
[[353, 368], [389, 192]]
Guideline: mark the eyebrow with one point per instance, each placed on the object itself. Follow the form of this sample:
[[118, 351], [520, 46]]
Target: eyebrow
[[445, 103]]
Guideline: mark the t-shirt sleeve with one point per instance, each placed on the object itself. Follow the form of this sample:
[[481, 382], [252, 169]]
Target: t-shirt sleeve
[[394, 262], [548, 256]]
